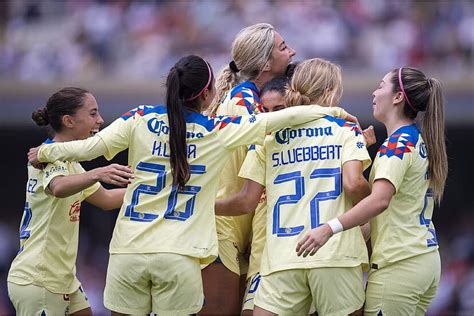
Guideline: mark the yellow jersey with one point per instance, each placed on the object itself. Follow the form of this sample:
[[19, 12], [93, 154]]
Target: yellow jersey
[[49, 231], [405, 229], [301, 168]]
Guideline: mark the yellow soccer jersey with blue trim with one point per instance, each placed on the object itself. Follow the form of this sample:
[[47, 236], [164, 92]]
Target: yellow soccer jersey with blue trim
[[303, 179], [405, 228], [49, 232], [156, 216], [243, 99]]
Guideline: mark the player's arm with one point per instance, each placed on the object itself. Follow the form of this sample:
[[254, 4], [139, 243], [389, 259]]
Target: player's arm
[[355, 185], [373, 205], [63, 186], [297, 115], [107, 199], [108, 142], [242, 202]]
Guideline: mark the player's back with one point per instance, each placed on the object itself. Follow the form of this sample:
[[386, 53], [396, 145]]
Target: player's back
[[157, 216], [304, 190]]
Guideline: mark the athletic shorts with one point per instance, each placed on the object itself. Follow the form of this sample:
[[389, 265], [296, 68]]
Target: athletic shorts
[[30, 299], [231, 257], [329, 291], [406, 287], [162, 283]]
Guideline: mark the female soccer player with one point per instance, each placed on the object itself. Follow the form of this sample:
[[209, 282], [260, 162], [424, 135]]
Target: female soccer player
[[166, 228], [408, 176], [259, 53], [308, 162], [273, 99], [42, 278]]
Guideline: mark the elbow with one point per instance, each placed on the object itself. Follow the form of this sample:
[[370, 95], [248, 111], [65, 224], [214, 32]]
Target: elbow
[[382, 204], [355, 186], [56, 191]]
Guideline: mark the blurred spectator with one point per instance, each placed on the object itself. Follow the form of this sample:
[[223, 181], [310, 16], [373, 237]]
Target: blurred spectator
[[124, 39]]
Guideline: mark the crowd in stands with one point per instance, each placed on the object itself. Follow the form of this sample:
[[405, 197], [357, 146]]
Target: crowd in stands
[[133, 40]]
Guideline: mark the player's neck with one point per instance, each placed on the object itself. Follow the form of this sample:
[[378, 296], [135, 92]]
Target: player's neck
[[392, 126], [63, 137]]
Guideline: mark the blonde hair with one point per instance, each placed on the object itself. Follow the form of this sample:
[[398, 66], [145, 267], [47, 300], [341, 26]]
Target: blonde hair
[[425, 95], [315, 81], [251, 50]]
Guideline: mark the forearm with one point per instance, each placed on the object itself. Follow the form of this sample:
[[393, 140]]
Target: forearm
[[79, 150], [234, 206], [363, 212], [107, 199], [68, 185], [299, 115]]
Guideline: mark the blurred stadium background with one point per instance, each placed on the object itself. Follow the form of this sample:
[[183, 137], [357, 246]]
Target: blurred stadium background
[[121, 51]]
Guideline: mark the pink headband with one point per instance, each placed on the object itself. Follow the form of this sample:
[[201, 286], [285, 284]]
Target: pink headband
[[403, 90], [205, 87]]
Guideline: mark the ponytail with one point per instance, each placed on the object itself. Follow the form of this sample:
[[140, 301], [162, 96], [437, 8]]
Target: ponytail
[[423, 94], [226, 81], [434, 136], [177, 137], [185, 84]]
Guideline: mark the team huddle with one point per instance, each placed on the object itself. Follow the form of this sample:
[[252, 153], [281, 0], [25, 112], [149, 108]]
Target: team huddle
[[244, 194]]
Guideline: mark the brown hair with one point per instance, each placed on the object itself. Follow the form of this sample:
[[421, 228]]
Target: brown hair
[[424, 95], [64, 102]]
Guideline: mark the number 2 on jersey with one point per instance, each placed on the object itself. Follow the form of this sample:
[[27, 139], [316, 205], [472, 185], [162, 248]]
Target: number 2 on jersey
[[170, 212], [331, 173]]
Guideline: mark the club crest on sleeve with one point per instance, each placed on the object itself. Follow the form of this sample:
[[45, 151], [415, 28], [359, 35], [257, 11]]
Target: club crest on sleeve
[[397, 145]]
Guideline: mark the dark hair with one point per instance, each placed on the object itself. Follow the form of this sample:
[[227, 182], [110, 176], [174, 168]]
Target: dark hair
[[279, 84], [188, 78], [424, 95], [64, 102]]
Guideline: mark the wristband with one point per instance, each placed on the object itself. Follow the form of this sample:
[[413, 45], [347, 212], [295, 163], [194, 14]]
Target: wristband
[[335, 225]]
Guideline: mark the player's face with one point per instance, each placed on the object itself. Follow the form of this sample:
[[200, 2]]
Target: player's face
[[208, 96], [272, 101], [281, 56], [87, 119], [383, 98]]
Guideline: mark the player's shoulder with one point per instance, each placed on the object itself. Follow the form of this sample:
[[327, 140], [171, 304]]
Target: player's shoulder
[[400, 142], [143, 110], [246, 95], [346, 126]]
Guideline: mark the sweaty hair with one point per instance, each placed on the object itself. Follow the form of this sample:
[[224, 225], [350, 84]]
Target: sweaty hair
[[64, 102], [315, 81], [424, 95], [187, 79], [251, 50]]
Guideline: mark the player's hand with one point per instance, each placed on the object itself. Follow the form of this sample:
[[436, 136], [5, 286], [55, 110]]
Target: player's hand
[[352, 118], [33, 158], [369, 135], [114, 174], [313, 240]]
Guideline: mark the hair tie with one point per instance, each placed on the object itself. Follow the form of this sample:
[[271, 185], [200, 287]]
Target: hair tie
[[205, 87], [403, 90], [233, 67], [430, 84]]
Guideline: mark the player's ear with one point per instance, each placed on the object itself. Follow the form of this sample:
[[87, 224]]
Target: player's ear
[[67, 121], [267, 66], [397, 97]]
